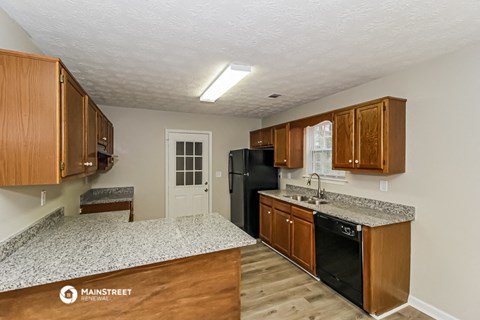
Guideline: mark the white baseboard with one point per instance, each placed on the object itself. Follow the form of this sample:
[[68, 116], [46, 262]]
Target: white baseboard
[[430, 310], [386, 314]]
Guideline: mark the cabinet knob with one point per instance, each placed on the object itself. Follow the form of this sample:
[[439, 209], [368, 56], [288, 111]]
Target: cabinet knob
[[287, 220], [356, 161], [104, 138], [285, 160], [349, 161], [291, 222], [268, 212], [88, 164]]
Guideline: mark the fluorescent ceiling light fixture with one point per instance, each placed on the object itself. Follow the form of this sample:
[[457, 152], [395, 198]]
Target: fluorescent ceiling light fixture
[[229, 77]]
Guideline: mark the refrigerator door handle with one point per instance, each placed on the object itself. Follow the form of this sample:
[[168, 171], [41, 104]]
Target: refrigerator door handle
[[230, 163], [230, 182]]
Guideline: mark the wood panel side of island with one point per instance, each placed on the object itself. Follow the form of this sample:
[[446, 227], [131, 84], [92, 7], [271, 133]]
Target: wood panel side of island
[[205, 286]]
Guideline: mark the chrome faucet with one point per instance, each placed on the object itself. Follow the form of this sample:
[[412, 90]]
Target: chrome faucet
[[320, 194]]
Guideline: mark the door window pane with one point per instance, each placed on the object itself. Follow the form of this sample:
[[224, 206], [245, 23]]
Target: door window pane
[[189, 163], [198, 148], [188, 178], [180, 163], [180, 148], [189, 148], [180, 180], [198, 177], [198, 163]]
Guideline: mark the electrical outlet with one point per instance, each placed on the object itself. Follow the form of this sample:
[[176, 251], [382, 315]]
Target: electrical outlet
[[43, 197], [218, 174], [384, 185]]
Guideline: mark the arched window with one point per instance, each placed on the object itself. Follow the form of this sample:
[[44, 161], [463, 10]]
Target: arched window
[[319, 151]]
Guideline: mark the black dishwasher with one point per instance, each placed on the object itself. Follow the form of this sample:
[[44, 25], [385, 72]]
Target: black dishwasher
[[338, 246]]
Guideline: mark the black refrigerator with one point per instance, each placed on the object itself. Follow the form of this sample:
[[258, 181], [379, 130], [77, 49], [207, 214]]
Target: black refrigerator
[[248, 172]]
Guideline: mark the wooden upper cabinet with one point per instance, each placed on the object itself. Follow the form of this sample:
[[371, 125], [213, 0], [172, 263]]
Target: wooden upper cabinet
[[48, 129], [370, 137], [288, 146], [261, 138], [91, 137], [73, 129], [342, 142], [369, 148]]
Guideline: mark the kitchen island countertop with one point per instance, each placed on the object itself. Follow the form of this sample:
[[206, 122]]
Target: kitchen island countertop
[[93, 244]]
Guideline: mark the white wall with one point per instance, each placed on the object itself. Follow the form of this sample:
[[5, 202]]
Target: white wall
[[442, 179], [140, 145], [20, 206]]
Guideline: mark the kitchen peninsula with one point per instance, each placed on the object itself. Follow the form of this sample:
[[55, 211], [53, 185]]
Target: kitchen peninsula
[[186, 268]]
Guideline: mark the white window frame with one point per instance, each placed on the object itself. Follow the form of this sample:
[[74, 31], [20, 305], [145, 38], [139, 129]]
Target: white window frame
[[308, 160]]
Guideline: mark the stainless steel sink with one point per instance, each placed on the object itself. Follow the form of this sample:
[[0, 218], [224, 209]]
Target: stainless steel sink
[[297, 197], [316, 201], [310, 200]]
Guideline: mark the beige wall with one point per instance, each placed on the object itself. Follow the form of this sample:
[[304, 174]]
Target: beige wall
[[442, 179], [140, 145], [20, 206]]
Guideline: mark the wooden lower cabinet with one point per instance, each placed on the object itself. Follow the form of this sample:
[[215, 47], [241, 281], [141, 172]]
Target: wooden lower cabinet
[[107, 207], [303, 238], [386, 251], [205, 286], [281, 233], [292, 232], [386, 269], [266, 223]]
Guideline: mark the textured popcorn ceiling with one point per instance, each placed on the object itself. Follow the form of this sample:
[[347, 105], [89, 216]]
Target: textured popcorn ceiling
[[163, 54]]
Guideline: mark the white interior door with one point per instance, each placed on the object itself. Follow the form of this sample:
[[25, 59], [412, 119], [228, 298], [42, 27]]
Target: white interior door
[[188, 166]]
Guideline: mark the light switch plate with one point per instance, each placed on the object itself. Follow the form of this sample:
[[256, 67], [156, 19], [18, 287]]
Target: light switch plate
[[384, 185], [218, 174]]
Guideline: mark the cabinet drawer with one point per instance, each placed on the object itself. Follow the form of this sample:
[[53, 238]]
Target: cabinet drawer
[[280, 205], [266, 200], [305, 214]]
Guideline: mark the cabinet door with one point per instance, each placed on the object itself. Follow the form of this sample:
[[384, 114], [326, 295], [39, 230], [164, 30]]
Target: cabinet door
[[369, 145], [73, 116], [343, 139], [255, 138], [303, 251], [281, 231], [266, 137], [109, 137], [102, 129], [91, 137], [265, 223], [280, 146]]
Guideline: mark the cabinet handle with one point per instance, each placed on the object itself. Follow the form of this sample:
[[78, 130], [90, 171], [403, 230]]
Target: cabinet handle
[[104, 138], [349, 161], [88, 164], [356, 161]]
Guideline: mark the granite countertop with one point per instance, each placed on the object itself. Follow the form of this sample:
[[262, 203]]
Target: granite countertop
[[98, 243], [371, 217], [107, 195]]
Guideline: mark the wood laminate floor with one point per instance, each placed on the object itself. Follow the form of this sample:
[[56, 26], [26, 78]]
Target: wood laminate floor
[[273, 288]]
